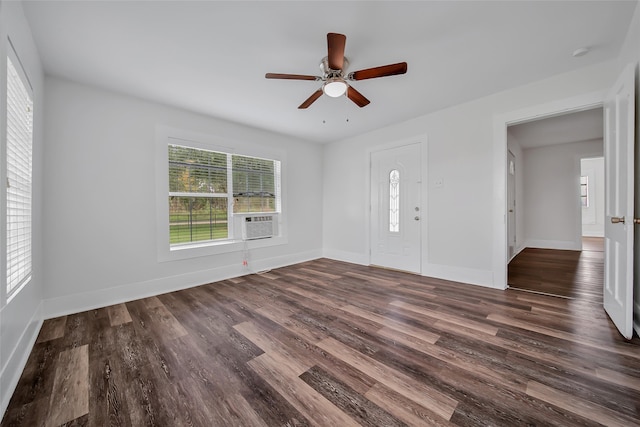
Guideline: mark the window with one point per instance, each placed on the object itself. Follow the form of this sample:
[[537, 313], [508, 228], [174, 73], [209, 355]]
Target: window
[[197, 195], [584, 191], [206, 188], [394, 201], [254, 184], [18, 180]]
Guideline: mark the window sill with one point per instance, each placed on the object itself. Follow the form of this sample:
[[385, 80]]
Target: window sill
[[196, 250]]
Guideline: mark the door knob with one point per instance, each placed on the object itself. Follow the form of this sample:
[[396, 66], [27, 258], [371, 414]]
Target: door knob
[[417, 218], [617, 219]]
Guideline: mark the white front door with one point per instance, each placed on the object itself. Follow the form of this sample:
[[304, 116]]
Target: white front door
[[396, 210], [619, 203], [511, 204]]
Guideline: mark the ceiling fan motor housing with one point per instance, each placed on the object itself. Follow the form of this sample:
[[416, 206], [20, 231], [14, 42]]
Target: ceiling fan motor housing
[[328, 72]]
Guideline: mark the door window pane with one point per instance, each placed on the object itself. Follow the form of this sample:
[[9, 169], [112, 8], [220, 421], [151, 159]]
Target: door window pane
[[394, 201]]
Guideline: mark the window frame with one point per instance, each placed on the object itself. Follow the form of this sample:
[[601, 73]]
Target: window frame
[[11, 55], [166, 135]]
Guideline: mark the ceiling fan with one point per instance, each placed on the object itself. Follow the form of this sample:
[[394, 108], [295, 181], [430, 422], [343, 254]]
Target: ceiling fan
[[335, 77]]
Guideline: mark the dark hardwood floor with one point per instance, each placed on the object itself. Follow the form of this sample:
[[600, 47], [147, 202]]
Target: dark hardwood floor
[[569, 274], [327, 343]]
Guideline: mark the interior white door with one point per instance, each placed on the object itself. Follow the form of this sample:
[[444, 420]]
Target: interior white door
[[511, 203], [619, 113], [396, 211]]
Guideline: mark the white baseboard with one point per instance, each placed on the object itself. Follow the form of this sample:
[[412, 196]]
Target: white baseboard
[[563, 245], [593, 233], [459, 274], [445, 272], [13, 368], [76, 303], [636, 318], [352, 257]]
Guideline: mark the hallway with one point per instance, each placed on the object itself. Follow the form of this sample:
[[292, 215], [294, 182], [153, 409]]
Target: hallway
[[567, 274]]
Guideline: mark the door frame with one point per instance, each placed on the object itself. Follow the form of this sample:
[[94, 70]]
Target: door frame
[[418, 139], [500, 123], [512, 188]]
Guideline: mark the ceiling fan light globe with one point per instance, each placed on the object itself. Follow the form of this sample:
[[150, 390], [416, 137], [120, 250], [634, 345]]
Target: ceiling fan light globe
[[334, 88]]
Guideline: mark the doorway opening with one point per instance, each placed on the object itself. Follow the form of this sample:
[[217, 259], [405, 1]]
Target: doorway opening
[[547, 210]]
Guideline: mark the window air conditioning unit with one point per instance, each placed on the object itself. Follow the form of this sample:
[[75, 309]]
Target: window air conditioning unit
[[259, 227]]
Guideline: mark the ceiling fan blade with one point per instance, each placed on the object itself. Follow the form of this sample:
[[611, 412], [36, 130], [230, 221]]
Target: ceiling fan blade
[[382, 71], [290, 76], [317, 94], [336, 43], [357, 97]]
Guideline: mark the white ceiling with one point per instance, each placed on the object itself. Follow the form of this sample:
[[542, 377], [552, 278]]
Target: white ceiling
[[574, 127], [211, 57]]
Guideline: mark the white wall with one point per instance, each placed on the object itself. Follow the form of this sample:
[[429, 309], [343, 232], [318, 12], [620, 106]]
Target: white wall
[[100, 205], [552, 194], [21, 318], [460, 218], [593, 215]]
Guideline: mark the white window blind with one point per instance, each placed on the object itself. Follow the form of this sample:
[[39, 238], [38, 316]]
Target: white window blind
[[198, 197], [255, 184], [19, 182]]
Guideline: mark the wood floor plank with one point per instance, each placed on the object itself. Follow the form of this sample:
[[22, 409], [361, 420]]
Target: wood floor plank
[[461, 360], [609, 395], [403, 408], [430, 399], [272, 347], [319, 272], [361, 409], [329, 302], [570, 403], [440, 316], [52, 329], [241, 412], [107, 397], [393, 324], [36, 381], [33, 413], [303, 397], [618, 378], [118, 314], [628, 351], [70, 395], [376, 280], [290, 323]]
